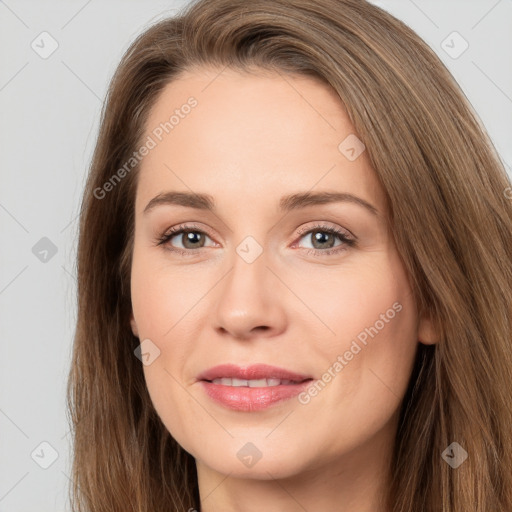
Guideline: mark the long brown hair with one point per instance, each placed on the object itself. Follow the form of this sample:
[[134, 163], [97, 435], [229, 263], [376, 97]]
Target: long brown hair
[[450, 214]]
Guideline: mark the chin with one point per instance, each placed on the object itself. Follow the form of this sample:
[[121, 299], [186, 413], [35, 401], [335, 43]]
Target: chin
[[245, 460]]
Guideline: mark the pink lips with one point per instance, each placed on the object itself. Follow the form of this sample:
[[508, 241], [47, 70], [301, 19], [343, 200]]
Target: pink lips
[[244, 398], [255, 371]]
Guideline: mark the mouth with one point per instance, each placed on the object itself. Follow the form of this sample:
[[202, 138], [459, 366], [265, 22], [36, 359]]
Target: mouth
[[253, 388], [255, 375]]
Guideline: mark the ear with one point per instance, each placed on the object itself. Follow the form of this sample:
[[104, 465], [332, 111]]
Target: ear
[[133, 325], [426, 331]]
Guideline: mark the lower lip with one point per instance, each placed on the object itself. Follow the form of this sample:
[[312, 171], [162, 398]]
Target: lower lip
[[252, 399]]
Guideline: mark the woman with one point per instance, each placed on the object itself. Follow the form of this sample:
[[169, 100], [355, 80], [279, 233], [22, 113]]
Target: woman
[[366, 370]]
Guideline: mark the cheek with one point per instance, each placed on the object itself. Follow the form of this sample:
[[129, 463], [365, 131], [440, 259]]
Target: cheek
[[163, 302], [163, 309], [368, 360], [159, 307], [158, 296], [369, 299], [367, 326]]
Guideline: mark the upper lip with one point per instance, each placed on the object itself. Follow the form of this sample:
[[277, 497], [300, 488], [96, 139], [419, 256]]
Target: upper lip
[[252, 372]]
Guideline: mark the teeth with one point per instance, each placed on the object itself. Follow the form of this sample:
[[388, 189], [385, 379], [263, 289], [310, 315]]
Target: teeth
[[253, 383], [258, 383]]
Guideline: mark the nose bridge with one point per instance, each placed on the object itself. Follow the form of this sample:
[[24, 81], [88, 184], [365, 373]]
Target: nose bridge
[[247, 297], [248, 280]]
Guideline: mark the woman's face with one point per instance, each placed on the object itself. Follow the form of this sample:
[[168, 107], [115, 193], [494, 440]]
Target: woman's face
[[261, 278]]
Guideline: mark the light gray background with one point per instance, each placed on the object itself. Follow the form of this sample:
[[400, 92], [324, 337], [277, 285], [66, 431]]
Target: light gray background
[[49, 120]]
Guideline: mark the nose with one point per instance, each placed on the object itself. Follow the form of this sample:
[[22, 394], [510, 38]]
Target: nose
[[251, 301]]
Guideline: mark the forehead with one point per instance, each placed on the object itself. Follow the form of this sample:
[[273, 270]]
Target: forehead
[[265, 135]]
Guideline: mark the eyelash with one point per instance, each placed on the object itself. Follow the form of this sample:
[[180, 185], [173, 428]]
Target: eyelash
[[346, 241]]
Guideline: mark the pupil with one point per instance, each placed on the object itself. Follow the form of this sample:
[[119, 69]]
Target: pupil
[[189, 237], [319, 235]]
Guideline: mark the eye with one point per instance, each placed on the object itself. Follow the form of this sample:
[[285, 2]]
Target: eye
[[323, 239], [190, 237]]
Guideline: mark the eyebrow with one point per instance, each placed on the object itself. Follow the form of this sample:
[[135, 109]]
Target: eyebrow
[[286, 203]]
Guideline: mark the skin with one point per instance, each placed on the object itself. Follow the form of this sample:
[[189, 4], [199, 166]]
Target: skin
[[251, 139]]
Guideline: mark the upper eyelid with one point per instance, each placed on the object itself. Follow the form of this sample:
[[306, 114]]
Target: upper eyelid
[[320, 225]]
